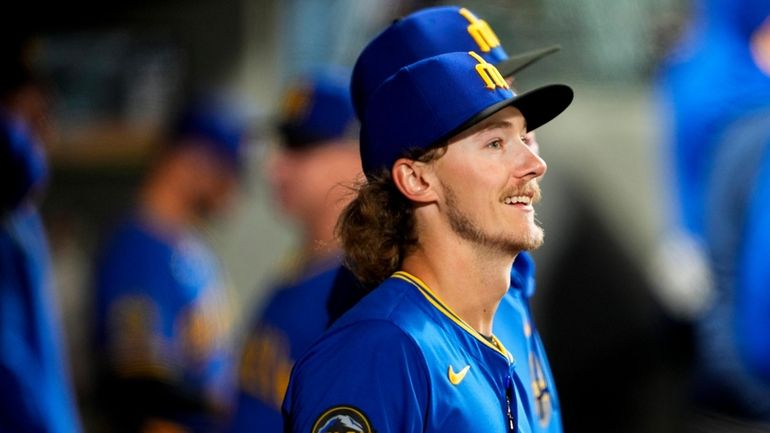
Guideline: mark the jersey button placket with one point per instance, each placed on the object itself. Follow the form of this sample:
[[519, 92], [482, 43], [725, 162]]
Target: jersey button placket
[[510, 400]]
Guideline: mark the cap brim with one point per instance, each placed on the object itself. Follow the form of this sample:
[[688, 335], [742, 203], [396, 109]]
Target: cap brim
[[538, 106], [518, 62]]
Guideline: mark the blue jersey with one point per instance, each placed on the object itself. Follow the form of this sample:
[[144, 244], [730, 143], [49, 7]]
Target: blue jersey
[[298, 314], [162, 315], [294, 318], [35, 392], [402, 361]]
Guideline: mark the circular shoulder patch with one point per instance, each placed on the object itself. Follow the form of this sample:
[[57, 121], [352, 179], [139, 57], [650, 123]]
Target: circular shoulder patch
[[342, 419]]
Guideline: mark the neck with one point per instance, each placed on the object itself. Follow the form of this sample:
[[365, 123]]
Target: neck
[[467, 279]]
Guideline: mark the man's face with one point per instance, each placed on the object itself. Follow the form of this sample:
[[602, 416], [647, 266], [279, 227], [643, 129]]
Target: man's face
[[215, 183], [307, 182], [488, 181]]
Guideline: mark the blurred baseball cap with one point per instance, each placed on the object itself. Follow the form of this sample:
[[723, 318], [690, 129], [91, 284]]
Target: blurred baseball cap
[[428, 102], [220, 126], [427, 33], [317, 109]]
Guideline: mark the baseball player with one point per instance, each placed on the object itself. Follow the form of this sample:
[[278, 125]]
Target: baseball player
[[35, 390], [161, 313], [295, 316], [446, 210], [317, 156], [439, 30]]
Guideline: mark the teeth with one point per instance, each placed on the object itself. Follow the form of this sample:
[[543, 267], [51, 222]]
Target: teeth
[[523, 199]]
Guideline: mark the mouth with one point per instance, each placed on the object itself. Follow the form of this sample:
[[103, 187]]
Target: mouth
[[521, 200]]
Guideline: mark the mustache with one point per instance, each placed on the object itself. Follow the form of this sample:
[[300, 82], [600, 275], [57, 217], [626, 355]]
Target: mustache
[[531, 189]]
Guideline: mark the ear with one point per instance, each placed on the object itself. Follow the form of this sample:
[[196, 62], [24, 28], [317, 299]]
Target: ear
[[415, 180]]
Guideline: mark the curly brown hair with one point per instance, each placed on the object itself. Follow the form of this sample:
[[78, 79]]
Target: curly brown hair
[[377, 229]]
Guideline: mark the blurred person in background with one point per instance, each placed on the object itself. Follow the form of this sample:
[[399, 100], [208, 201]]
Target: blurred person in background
[[310, 174], [716, 90], [162, 316], [35, 390]]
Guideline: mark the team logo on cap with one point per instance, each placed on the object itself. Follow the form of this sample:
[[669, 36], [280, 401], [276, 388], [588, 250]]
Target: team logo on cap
[[342, 419], [480, 31], [297, 101], [487, 71]]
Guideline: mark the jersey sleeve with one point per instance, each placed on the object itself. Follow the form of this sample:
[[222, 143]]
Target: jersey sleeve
[[369, 376]]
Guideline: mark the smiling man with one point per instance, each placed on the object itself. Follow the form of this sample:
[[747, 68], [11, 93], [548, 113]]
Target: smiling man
[[447, 207]]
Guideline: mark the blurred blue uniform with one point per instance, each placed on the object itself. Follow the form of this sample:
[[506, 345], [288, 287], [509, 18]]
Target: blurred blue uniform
[[317, 113], [162, 321], [442, 364], [292, 320], [733, 335], [35, 392], [708, 82], [162, 316], [715, 95], [753, 277]]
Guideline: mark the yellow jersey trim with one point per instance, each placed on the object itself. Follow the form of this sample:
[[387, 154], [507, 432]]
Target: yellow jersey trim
[[495, 344]]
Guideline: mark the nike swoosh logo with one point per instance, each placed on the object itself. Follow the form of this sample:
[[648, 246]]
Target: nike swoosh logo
[[456, 378]]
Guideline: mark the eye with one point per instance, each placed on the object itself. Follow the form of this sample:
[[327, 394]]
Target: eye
[[495, 144], [525, 138]]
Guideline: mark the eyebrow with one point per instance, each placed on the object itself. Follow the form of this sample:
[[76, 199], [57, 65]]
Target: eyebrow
[[498, 124]]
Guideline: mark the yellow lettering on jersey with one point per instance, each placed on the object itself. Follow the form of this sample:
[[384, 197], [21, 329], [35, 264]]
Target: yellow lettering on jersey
[[480, 31], [541, 393], [266, 366], [487, 71]]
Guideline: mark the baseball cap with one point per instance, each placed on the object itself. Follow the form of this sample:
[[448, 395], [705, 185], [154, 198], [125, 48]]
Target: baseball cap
[[221, 127], [427, 102], [427, 33], [317, 109]]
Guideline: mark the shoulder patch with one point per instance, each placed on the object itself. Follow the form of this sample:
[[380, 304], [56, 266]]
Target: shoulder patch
[[342, 419]]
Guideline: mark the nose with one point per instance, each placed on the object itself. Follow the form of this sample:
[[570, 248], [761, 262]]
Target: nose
[[528, 163]]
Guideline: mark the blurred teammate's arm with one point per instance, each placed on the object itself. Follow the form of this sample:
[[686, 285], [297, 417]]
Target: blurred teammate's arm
[[752, 313], [145, 382]]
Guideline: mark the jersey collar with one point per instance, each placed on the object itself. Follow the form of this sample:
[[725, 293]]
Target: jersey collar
[[423, 288]]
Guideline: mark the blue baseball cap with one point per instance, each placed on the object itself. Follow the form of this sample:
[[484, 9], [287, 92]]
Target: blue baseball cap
[[427, 33], [317, 109], [426, 103], [220, 127]]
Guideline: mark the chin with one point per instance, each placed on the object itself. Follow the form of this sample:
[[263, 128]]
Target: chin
[[532, 241]]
